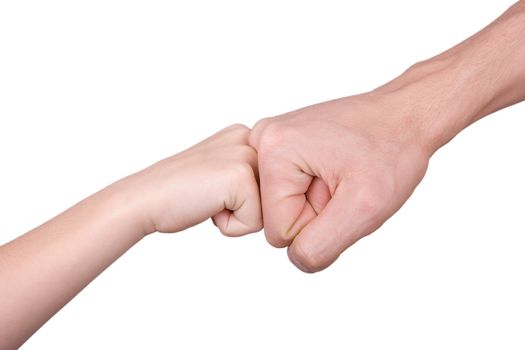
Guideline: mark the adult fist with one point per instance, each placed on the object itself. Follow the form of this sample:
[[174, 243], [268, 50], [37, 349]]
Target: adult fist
[[332, 173]]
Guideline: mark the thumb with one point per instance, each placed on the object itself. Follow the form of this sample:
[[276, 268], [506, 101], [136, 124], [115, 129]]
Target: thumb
[[352, 213]]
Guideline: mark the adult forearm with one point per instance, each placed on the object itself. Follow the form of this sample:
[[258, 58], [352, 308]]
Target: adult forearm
[[45, 268], [479, 76]]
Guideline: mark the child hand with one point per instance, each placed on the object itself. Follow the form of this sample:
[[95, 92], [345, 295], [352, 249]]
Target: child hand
[[215, 178]]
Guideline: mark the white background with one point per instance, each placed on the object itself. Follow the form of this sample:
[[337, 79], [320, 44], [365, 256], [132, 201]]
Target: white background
[[91, 91]]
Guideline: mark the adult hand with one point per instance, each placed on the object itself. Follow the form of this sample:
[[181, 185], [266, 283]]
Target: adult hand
[[334, 172]]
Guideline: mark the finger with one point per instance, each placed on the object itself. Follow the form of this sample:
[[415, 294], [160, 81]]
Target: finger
[[283, 194], [349, 215], [318, 194], [242, 212]]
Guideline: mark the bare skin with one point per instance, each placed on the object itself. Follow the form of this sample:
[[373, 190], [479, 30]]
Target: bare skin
[[45, 268], [334, 172], [330, 174]]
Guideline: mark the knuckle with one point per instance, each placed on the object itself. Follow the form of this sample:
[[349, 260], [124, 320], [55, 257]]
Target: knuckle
[[367, 206], [371, 200], [274, 135], [238, 127], [238, 132], [276, 240], [255, 133], [244, 153], [261, 124]]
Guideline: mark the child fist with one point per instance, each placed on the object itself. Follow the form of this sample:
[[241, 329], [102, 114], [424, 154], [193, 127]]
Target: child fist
[[216, 178]]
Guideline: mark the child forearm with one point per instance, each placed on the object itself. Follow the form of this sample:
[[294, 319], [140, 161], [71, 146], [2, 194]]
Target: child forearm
[[45, 268]]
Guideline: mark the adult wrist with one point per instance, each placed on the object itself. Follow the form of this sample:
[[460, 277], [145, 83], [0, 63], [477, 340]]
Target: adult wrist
[[445, 94], [435, 101]]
